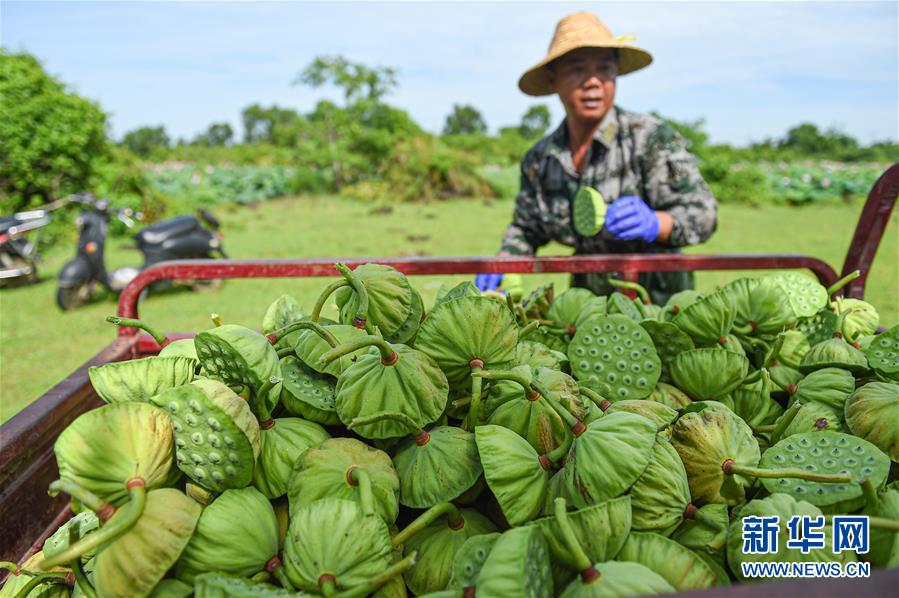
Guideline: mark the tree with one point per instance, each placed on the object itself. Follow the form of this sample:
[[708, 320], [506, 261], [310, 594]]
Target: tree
[[278, 126], [806, 139], [145, 140], [464, 120], [218, 134], [693, 132], [535, 121], [358, 81], [52, 139]]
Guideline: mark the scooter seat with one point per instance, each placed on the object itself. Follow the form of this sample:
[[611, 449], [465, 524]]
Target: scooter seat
[[23, 224], [158, 233], [7, 223]]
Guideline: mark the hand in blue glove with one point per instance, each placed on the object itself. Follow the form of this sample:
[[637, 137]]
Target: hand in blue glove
[[629, 218], [488, 282]]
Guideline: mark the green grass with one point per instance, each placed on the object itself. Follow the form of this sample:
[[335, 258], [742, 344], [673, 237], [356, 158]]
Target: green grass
[[39, 345]]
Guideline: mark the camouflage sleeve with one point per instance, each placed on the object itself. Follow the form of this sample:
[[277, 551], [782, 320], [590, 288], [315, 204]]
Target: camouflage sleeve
[[673, 184], [526, 232]]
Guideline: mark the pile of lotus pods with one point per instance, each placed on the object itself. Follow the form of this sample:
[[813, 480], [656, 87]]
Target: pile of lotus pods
[[568, 445]]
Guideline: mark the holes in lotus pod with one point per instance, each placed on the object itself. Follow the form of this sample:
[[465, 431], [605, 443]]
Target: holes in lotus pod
[[799, 490], [823, 442], [598, 367], [197, 458], [195, 406], [233, 458], [644, 349], [858, 450], [579, 351], [618, 350], [842, 441], [869, 459], [611, 377], [798, 458], [196, 438], [783, 481], [176, 426], [649, 366], [588, 339], [635, 355], [199, 473], [621, 365], [642, 383], [593, 351], [219, 362], [614, 338], [173, 406], [214, 440], [779, 458], [179, 442], [214, 424], [851, 462], [635, 368], [190, 419], [867, 470], [218, 476], [803, 441], [229, 441], [627, 379], [230, 471], [607, 326], [621, 392], [836, 452], [583, 365], [628, 343], [214, 457], [828, 463], [815, 451]]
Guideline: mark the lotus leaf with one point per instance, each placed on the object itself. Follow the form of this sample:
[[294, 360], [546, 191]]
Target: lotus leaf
[[392, 305], [103, 449], [669, 341], [861, 318], [706, 374], [220, 585], [784, 507], [833, 353], [216, 434], [332, 542], [884, 547], [669, 395], [822, 458], [470, 559], [677, 564], [306, 393], [518, 565], [812, 417], [237, 533], [707, 319], [883, 353], [282, 441], [140, 379], [661, 493], [283, 311], [806, 296], [615, 357], [872, 412]]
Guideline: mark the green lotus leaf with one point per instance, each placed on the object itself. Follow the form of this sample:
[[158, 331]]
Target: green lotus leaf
[[707, 319], [309, 347], [618, 579], [705, 438], [784, 507], [306, 393], [283, 311], [661, 493], [761, 304], [833, 353], [140, 379], [677, 564], [861, 319], [883, 353], [669, 341], [239, 356], [595, 306], [135, 562], [826, 453], [216, 434], [184, 347], [795, 346], [623, 305], [412, 385], [324, 472], [237, 533], [518, 565], [872, 412], [465, 329], [70, 532], [659, 414], [806, 295], [513, 472], [465, 288], [783, 376], [437, 468], [831, 386], [708, 373], [470, 559], [220, 585], [600, 529], [334, 537], [606, 459], [818, 327], [437, 546], [813, 417], [106, 447], [698, 535], [391, 302], [536, 355], [884, 544], [669, 395], [566, 308], [615, 357], [281, 446]]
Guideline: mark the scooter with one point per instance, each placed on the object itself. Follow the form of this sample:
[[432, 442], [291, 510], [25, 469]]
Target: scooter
[[182, 237], [18, 255]]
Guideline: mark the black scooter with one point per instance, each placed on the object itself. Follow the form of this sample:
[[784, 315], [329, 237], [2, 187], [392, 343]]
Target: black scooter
[[18, 254], [178, 238]]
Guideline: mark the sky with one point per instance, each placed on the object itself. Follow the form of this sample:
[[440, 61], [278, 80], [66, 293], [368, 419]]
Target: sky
[[750, 69]]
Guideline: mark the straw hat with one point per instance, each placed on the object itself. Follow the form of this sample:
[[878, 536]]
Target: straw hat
[[582, 30]]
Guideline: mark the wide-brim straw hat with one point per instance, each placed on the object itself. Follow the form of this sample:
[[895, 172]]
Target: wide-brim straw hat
[[582, 30]]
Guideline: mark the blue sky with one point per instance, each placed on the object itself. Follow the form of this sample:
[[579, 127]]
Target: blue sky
[[751, 70]]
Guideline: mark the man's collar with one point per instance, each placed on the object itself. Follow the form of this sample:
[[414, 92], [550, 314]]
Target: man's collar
[[605, 134]]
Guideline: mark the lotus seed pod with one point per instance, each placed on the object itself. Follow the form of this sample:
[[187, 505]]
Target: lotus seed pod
[[615, 357], [660, 415], [669, 395], [762, 306], [70, 532], [669, 342], [678, 302], [708, 374], [882, 353], [463, 289], [826, 453], [784, 507], [677, 564], [795, 346], [805, 295], [707, 319], [622, 305], [831, 386], [308, 394], [661, 493], [861, 318], [872, 412], [108, 446], [309, 347], [588, 211], [753, 403], [281, 445], [819, 327], [833, 353], [536, 355], [216, 434], [566, 308], [698, 535], [706, 436], [331, 541], [437, 546], [325, 472], [813, 417], [393, 306], [140, 379], [172, 588], [135, 562], [596, 306], [783, 376], [283, 311], [619, 579], [518, 565], [184, 347], [436, 467], [17, 579], [237, 533], [538, 302], [470, 559], [884, 551], [219, 585]]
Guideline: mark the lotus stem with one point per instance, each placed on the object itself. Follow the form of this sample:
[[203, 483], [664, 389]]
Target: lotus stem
[[596, 398], [286, 351], [632, 286], [522, 314], [81, 579], [785, 420], [262, 576], [263, 413], [883, 523], [160, 338], [474, 408], [745, 330], [510, 303], [360, 319], [388, 355], [582, 562], [283, 579], [320, 302], [870, 493], [38, 579], [13, 568], [216, 319], [505, 375], [576, 425], [561, 451], [453, 515], [764, 429], [327, 585], [84, 496], [127, 517], [703, 518], [357, 476], [315, 327], [842, 282], [731, 468], [528, 329], [414, 429], [372, 585], [752, 377]]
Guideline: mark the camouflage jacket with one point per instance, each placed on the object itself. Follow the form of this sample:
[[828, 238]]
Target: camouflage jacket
[[631, 154]]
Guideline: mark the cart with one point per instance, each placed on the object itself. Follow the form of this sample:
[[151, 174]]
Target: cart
[[28, 515]]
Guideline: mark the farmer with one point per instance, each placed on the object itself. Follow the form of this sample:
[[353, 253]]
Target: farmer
[[657, 200]]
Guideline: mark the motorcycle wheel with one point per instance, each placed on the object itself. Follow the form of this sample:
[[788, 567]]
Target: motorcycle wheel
[[70, 298]]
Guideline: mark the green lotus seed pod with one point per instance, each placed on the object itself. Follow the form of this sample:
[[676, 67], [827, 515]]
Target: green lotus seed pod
[[536, 355], [308, 394], [219, 585], [753, 403], [707, 319], [660, 415], [470, 559], [309, 347], [282, 441], [669, 341], [884, 547], [831, 386], [588, 211], [140, 379], [393, 306], [680, 301], [819, 327], [661, 493], [283, 311], [707, 532], [216, 434], [882, 353], [16, 581], [566, 308], [678, 565], [620, 304], [861, 318], [463, 289], [438, 466], [552, 340], [184, 347], [669, 395], [813, 417], [806, 295], [618, 579], [833, 353], [595, 306], [706, 374], [108, 446], [872, 412], [783, 376], [795, 346], [762, 306], [518, 565]]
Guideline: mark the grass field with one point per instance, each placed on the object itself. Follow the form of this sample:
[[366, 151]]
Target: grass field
[[39, 345]]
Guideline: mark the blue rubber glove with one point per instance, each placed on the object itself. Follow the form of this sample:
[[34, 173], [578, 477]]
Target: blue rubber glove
[[629, 219], [488, 282]]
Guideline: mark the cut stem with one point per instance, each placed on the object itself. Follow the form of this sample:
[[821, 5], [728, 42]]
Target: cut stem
[[379, 580], [279, 574], [360, 318], [356, 476], [842, 282], [582, 562], [596, 398], [731, 468], [160, 338], [528, 329], [785, 420], [263, 412], [317, 328], [453, 515], [320, 302], [388, 355], [474, 409], [505, 375], [576, 425]]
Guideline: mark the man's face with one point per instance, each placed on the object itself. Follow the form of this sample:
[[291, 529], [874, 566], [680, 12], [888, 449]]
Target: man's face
[[585, 82]]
